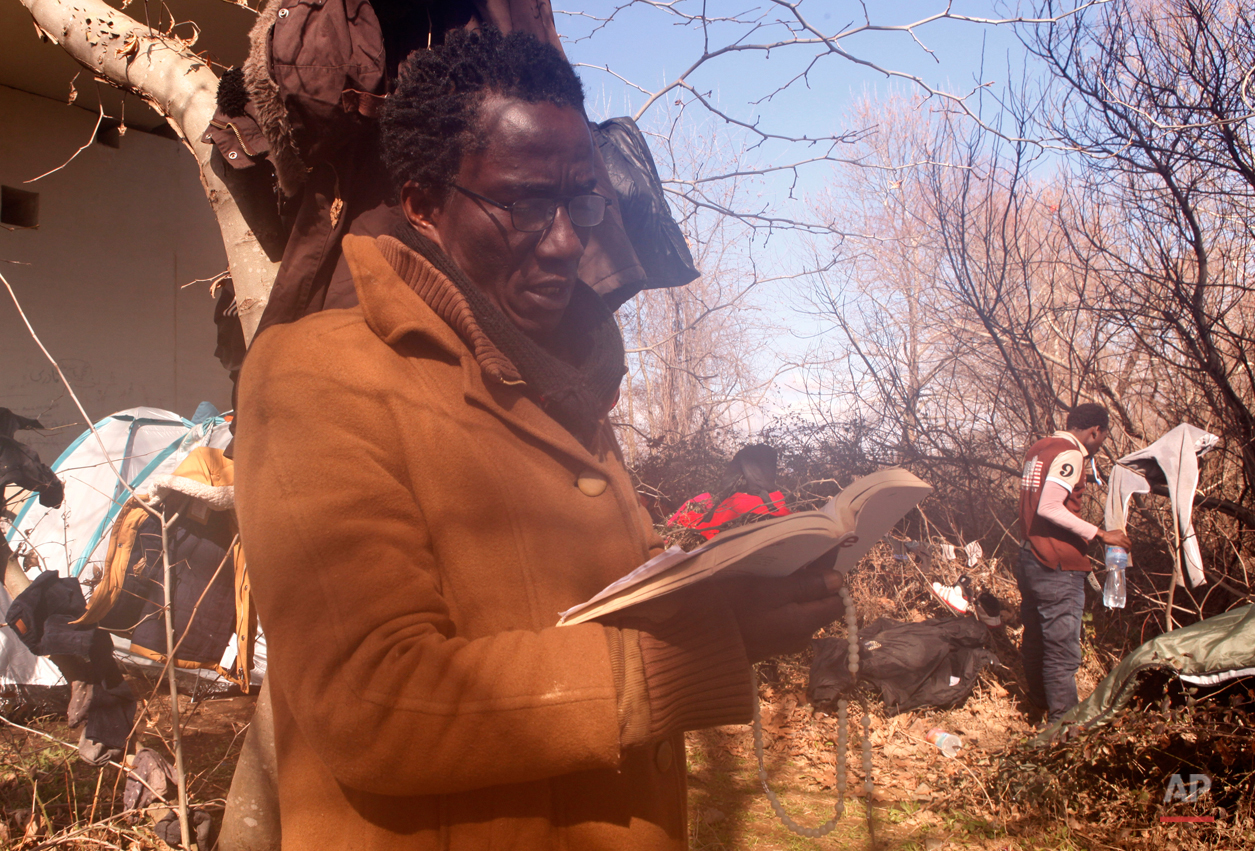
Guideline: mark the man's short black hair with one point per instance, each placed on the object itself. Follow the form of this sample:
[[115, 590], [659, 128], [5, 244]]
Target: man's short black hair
[[430, 121], [1088, 415]]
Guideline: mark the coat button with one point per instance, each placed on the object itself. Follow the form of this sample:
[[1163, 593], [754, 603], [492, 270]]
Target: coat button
[[283, 13], [663, 757], [591, 484]]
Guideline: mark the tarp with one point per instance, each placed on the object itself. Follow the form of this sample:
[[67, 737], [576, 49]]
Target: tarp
[[1209, 652], [141, 443]]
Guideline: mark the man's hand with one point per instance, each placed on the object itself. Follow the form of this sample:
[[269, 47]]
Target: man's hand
[[1114, 538], [778, 616]]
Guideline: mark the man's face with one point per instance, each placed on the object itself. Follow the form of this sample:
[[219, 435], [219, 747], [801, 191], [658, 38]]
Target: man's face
[[1093, 438], [534, 150]]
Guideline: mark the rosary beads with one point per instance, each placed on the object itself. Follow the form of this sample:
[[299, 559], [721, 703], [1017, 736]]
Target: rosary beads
[[843, 740]]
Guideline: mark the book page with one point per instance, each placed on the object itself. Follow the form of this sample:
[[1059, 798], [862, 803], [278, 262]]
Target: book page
[[852, 522], [877, 503], [656, 565], [773, 547], [782, 557]]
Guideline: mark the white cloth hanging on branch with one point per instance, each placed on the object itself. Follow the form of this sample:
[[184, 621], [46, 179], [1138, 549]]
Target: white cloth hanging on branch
[[1170, 460]]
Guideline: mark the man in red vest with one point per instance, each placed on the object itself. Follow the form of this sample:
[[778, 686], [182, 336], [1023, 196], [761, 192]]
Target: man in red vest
[[1053, 562]]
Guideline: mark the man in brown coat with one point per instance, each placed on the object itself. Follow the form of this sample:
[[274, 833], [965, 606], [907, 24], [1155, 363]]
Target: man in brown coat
[[426, 481]]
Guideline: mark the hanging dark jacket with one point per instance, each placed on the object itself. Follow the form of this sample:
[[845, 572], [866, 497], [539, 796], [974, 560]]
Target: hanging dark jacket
[[20, 465], [42, 615]]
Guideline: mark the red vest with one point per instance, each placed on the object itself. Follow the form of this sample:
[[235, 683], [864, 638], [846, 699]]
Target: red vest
[[1053, 545]]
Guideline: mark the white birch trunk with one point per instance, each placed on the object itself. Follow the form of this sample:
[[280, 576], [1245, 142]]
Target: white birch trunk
[[181, 87]]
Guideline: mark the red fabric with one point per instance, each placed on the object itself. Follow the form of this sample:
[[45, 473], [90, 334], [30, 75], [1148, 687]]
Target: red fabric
[[1053, 546], [693, 512]]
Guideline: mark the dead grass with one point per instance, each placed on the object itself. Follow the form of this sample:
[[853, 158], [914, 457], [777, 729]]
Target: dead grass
[[49, 798]]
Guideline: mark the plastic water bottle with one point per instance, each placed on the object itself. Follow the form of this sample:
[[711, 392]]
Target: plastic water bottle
[[947, 742], [1115, 588]]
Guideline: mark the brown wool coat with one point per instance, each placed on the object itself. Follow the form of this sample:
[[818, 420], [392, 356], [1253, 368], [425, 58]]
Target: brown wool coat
[[413, 531]]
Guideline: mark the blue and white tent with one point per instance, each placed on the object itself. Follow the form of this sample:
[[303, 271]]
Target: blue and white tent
[[139, 444]]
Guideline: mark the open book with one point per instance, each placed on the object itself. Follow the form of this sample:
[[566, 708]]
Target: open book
[[852, 521]]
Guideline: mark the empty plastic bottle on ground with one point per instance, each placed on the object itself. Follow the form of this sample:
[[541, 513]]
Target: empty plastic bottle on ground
[[947, 742], [1114, 589]]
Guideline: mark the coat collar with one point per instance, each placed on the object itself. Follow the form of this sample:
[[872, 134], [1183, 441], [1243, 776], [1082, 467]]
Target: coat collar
[[394, 311], [391, 307]]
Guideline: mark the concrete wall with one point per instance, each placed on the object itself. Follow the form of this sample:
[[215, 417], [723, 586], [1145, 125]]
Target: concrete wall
[[121, 230]]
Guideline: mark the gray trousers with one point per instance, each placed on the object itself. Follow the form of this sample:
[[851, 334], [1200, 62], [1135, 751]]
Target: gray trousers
[[1053, 602]]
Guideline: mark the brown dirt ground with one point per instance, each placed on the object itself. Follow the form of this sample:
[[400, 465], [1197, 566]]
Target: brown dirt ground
[[922, 799]]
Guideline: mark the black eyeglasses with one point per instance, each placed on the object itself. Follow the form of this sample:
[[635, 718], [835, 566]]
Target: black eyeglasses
[[530, 215]]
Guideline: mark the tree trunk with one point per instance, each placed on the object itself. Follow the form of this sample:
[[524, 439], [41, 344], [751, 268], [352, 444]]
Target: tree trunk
[[180, 86]]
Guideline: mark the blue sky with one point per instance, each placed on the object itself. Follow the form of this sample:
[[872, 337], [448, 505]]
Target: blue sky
[[649, 47], [646, 45]]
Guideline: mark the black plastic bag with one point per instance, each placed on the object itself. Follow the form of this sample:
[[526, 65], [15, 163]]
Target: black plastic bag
[[660, 246], [934, 663]]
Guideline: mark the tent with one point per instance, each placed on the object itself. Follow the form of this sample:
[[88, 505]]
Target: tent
[[140, 444], [1207, 653]]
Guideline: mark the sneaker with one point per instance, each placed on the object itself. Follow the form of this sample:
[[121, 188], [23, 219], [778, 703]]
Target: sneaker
[[989, 609], [951, 596]]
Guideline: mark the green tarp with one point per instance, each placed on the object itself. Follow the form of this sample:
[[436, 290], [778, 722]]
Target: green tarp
[[1208, 652]]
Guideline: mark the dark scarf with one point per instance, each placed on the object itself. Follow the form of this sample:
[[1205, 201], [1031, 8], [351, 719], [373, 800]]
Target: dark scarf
[[578, 390]]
